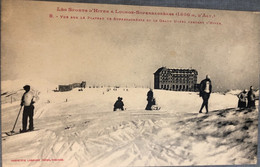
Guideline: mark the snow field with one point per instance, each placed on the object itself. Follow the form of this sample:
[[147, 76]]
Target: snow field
[[81, 128]]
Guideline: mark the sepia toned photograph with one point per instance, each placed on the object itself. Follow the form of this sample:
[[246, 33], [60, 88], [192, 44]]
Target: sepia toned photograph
[[109, 85]]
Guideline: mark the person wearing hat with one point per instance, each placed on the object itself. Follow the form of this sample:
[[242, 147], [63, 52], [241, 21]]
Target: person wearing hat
[[27, 101], [119, 104], [205, 91]]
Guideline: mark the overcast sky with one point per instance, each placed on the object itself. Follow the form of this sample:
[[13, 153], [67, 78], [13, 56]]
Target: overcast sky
[[126, 53]]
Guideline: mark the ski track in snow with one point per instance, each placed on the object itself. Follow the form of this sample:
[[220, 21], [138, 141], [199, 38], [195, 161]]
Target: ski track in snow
[[84, 131]]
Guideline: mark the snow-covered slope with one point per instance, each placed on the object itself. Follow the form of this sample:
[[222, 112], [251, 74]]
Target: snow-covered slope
[[79, 128]]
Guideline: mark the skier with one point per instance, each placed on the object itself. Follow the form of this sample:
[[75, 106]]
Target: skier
[[251, 98], [205, 91], [149, 100], [119, 104], [242, 99], [27, 101]]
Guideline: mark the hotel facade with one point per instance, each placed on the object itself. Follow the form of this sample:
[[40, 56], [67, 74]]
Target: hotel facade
[[175, 79]]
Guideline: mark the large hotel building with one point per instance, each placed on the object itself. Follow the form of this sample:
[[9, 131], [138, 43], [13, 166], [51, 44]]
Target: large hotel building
[[175, 79]]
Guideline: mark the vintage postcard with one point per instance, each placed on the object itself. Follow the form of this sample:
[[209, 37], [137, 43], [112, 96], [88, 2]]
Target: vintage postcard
[[102, 85]]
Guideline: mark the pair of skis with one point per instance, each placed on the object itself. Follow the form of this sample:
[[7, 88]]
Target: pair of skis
[[16, 133]]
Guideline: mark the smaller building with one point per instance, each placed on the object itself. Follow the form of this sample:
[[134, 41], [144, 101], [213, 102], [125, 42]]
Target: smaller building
[[64, 88]]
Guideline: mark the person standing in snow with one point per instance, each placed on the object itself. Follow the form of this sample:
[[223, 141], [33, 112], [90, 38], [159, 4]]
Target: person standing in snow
[[27, 101], [251, 98], [205, 91], [119, 104], [149, 100], [242, 99]]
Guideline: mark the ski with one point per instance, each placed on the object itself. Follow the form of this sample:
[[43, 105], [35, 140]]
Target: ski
[[17, 133]]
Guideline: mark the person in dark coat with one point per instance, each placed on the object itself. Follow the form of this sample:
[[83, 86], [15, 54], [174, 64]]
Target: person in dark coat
[[149, 100], [251, 98], [242, 99], [27, 101], [119, 104], [205, 91]]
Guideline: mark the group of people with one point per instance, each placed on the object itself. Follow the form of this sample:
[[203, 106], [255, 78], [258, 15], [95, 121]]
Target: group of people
[[205, 91], [246, 99], [151, 105]]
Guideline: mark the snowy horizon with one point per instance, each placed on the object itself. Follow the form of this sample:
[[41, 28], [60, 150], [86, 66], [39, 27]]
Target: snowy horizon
[[6, 85]]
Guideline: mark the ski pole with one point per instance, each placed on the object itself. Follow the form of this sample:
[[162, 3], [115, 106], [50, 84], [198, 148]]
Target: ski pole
[[16, 119]]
